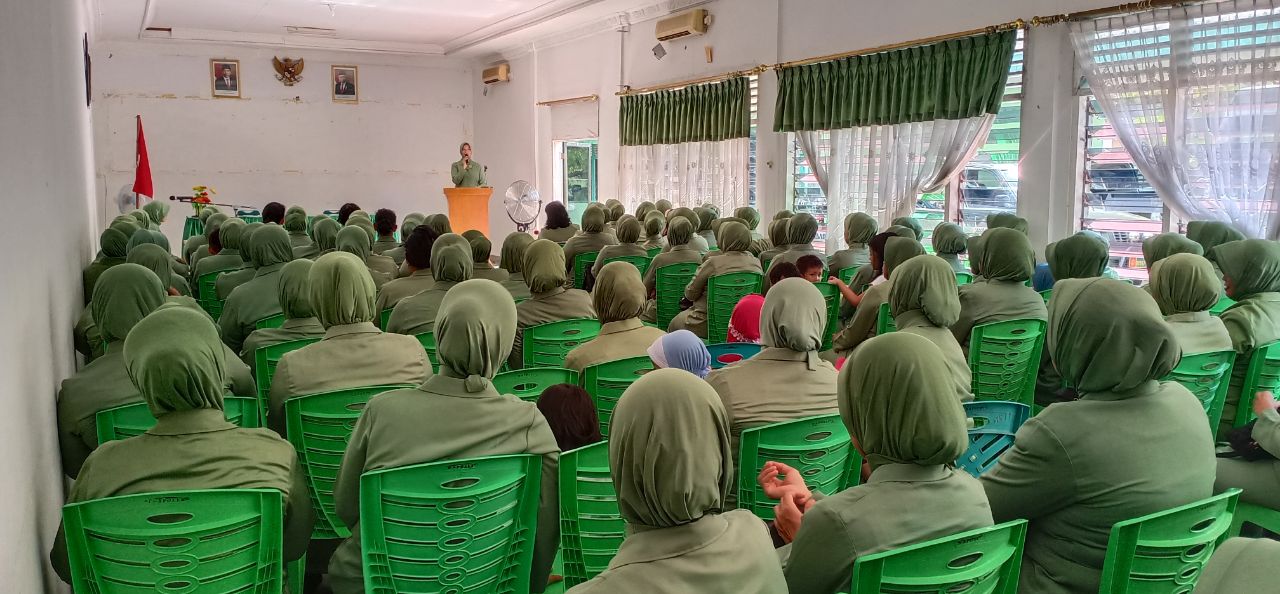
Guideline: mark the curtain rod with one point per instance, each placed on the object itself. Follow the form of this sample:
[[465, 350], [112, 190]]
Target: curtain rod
[[583, 99], [1112, 10], [1018, 24], [627, 90]]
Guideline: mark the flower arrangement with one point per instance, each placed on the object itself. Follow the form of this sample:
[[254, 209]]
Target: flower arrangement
[[201, 196]]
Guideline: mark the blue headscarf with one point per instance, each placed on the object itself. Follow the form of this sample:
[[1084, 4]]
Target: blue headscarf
[[681, 349]]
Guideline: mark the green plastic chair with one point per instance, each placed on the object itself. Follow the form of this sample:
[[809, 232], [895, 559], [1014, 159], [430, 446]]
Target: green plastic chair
[[884, 321], [963, 278], [129, 420], [275, 321], [606, 382], [818, 447], [428, 340], [1005, 359], [986, 561], [832, 297], [670, 282], [265, 361], [764, 262], [319, 426], [384, 318], [591, 529], [653, 251], [1046, 294], [1208, 376], [465, 525], [208, 294], [528, 384], [846, 274], [176, 542], [249, 216], [546, 345], [640, 262], [723, 293], [1248, 513], [993, 425], [728, 353], [1221, 306], [581, 264], [1167, 550], [192, 227], [1262, 375]]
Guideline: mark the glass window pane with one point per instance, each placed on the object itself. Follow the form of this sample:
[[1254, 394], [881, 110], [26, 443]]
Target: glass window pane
[[989, 183]]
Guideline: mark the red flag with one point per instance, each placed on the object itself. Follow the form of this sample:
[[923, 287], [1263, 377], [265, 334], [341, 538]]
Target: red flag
[[142, 176]]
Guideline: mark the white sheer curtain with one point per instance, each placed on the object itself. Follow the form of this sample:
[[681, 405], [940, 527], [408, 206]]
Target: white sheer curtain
[[687, 174], [809, 141], [881, 170], [1193, 93]]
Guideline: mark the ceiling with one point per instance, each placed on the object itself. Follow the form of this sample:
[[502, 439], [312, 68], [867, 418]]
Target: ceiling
[[443, 27]]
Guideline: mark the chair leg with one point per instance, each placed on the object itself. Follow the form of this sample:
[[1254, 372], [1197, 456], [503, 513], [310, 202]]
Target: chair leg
[[1266, 518]]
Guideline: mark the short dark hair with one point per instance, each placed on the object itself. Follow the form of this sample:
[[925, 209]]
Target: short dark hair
[[345, 212], [783, 270], [273, 212], [557, 216], [417, 248], [215, 240], [571, 416], [384, 221], [808, 262], [878, 242]]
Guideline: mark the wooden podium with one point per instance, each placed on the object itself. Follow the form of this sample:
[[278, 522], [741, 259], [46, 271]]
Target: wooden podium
[[469, 209]]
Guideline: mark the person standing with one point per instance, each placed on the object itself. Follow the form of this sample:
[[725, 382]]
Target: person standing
[[467, 173]]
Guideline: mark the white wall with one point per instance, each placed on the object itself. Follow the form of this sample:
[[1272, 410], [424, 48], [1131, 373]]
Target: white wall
[[289, 144], [46, 166]]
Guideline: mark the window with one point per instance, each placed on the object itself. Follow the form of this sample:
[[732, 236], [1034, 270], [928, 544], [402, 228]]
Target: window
[[753, 83], [576, 174], [806, 193]]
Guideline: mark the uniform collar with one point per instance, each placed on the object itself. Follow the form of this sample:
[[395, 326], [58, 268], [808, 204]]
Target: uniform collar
[[913, 319], [1188, 316], [908, 473], [551, 293], [345, 329], [268, 269], [621, 326], [294, 323], [654, 544], [781, 354], [1145, 388], [444, 385], [421, 272], [185, 422]]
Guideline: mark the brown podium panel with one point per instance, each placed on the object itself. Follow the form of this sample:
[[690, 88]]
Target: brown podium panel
[[469, 209]]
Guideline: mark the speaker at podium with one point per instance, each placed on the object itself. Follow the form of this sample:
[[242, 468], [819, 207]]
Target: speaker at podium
[[469, 209]]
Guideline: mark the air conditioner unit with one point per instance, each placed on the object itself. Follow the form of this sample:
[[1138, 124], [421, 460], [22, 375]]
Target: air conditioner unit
[[497, 74], [685, 24]]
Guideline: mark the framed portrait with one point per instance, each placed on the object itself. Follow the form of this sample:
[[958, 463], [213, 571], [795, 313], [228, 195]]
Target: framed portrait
[[346, 84], [224, 78]]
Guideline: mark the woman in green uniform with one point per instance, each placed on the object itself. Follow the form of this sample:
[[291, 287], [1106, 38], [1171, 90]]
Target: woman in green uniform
[[1006, 262], [299, 318], [777, 241], [678, 251], [558, 228], [258, 298], [325, 231], [732, 257], [411, 222], [653, 226], [482, 267], [550, 301], [1159, 247], [1251, 275], [114, 245], [859, 228], [801, 231], [949, 241], [924, 301], [618, 299], [1185, 287], [628, 245], [451, 264], [897, 250], [592, 239], [353, 240], [513, 250]]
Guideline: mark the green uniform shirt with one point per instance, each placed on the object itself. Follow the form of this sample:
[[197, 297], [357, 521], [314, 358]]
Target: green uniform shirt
[[401, 288], [292, 329], [617, 340], [470, 177], [551, 306], [694, 319], [248, 303], [995, 301], [417, 314], [560, 235]]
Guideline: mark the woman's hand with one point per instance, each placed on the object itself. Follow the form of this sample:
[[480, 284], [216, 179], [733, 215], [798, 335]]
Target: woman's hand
[[789, 513], [790, 481], [1263, 402]]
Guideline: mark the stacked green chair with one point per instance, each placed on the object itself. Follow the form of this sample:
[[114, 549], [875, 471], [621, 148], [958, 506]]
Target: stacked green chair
[[985, 560], [428, 340], [1004, 358], [1249, 513], [265, 361], [581, 264], [831, 296], [1263, 375], [1167, 550], [653, 251], [1221, 305], [208, 294], [606, 382], [964, 278], [546, 345], [384, 317], [318, 426], [846, 274], [993, 425], [670, 282], [174, 542], [192, 227], [249, 216], [1046, 294], [764, 262], [640, 262], [727, 353], [884, 321], [275, 321], [465, 525], [591, 528], [1208, 376], [724, 291], [129, 420], [818, 447], [528, 384]]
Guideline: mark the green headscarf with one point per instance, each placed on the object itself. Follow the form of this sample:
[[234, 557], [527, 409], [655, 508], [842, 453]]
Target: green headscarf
[[1007, 220], [513, 249], [365, 225], [1252, 266], [294, 292], [1157, 248], [146, 236], [653, 223], [679, 231], [897, 399], [734, 237], [270, 245], [125, 224], [410, 222], [749, 216], [157, 211], [247, 241], [783, 214], [1184, 283], [144, 219], [544, 266], [927, 284], [212, 223], [910, 223], [205, 213], [949, 238], [619, 293], [325, 233], [295, 221], [902, 231], [705, 217], [123, 295], [896, 252], [593, 219], [794, 317], [669, 451], [475, 330], [628, 231], [176, 360], [295, 208], [231, 232], [778, 232], [802, 229], [687, 213], [154, 258], [616, 210], [1211, 234], [974, 247], [342, 292], [439, 223], [1078, 256], [115, 244], [1107, 336], [859, 227], [1005, 255], [451, 263], [662, 206], [353, 240], [471, 234], [643, 209], [481, 249]]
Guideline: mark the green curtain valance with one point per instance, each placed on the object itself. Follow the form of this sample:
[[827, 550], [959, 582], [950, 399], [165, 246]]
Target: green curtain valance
[[713, 111], [953, 79]]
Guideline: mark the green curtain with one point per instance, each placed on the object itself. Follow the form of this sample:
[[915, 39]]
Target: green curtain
[[953, 79], [713, 111]]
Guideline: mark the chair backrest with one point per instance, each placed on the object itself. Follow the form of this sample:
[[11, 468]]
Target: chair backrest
[[992, 427], [884, 320], [640, 262], [832, 296], [207, 294], [1207, 375], [172, 542], [727, 353], [191, 227], [653, 251], [384, 317], [464, 525], [591, 529], [1005, 359], [1046, 294], [765, 261], [275, 321], [724, 291], [982, 561], [319, 427], [1223, 303], [606, 382], [581, 264], [846, 274], [265, 361], [670, 282], [528, 384], [546, 345], [1167, 550], [963, 278], [129, 420], [818, 447], [1263, 375], [428, 340]]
